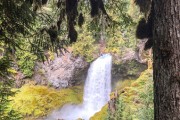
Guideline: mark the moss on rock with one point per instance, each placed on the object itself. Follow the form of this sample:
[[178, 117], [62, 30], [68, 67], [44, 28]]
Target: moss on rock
[[101, 115], [37, 101]]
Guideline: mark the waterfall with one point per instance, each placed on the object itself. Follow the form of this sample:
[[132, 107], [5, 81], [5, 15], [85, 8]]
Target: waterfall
[[96, 92]]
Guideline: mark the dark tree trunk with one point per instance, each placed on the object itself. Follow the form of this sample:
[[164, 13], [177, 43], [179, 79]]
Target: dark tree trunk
[[166, 55]]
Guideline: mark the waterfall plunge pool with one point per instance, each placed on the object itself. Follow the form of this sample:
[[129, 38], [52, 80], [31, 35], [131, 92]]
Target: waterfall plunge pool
[[97, 91]]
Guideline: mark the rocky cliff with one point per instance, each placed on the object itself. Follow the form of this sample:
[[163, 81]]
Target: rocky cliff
[[66, 70], [62, 72]]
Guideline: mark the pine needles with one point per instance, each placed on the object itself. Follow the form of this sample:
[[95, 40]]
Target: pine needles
[[16, 20], [5, 91]]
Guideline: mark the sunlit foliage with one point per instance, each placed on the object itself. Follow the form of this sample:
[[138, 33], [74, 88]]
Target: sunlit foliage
[[134, 96], [85, 46], [25, 60], [35, 101]]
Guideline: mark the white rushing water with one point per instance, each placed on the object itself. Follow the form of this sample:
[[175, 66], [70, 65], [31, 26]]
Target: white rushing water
[[96, 92]]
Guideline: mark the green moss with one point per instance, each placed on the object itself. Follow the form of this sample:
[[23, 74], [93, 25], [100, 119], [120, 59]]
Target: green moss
[[129, 91], [101, 115], [129, 70], [144, 77], [136, 95], [132, 94], [122, 84], [38, 100]]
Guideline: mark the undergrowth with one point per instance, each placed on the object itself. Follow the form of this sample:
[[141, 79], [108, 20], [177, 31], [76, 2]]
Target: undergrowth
[[135, 100]]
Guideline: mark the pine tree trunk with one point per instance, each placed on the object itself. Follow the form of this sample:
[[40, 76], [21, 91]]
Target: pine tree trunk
[[166, 55]]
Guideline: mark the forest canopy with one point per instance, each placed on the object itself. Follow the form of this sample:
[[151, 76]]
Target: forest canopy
[[34, 30]]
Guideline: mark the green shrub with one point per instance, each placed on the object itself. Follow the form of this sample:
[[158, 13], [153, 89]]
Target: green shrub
[[118, 114], [26, 62], [114, 43], [85, 46], [146, 111]]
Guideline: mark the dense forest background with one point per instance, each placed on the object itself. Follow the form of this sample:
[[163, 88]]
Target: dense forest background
[[38, 32], [34, 32]]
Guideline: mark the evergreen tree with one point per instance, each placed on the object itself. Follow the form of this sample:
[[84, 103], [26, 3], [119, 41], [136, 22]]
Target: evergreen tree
[[5, 91], [16, 19], [162, 27]]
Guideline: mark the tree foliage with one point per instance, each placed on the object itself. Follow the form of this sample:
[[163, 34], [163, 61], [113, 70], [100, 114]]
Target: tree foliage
[[30, 27], [16, 20], [26, 62], [85, 46], [5, 91], [116, 33]]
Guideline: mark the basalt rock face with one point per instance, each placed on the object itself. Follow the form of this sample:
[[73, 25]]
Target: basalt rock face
[[66, 71], [131, 63], [62, 72], [128, 70]]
